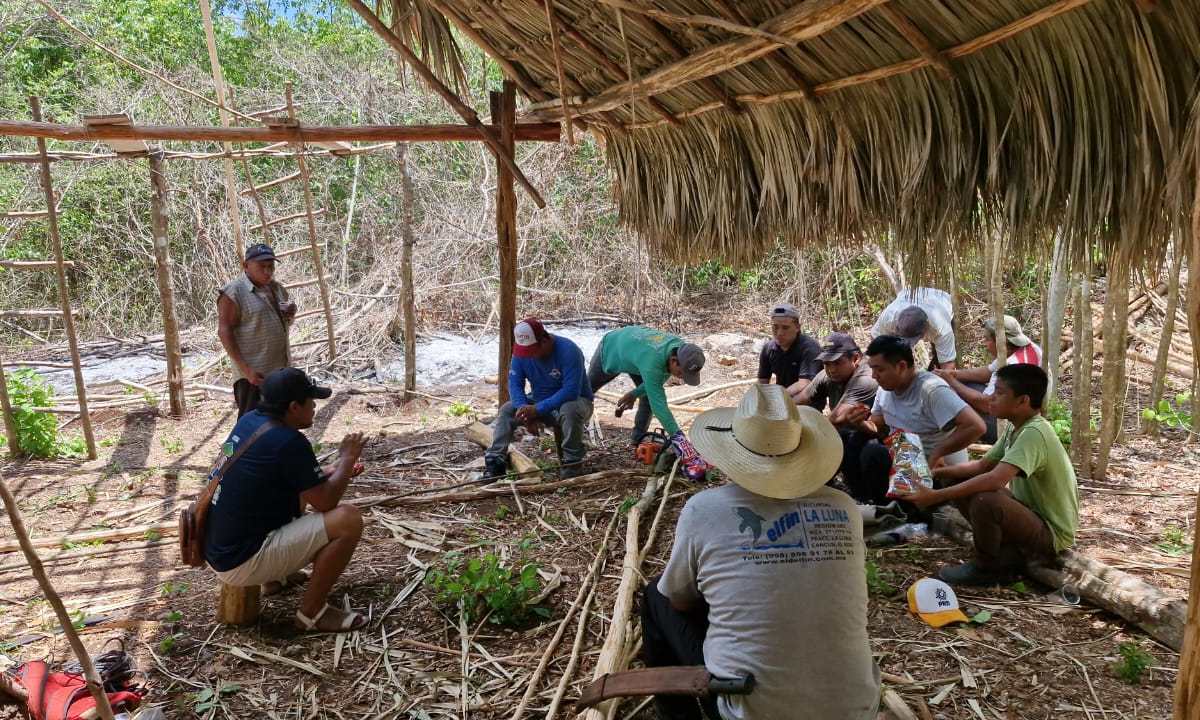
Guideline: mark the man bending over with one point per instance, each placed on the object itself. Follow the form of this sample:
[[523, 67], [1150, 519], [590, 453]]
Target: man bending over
[[257, 531]]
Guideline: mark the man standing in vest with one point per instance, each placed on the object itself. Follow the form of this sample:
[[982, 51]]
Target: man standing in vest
[[253, 317]]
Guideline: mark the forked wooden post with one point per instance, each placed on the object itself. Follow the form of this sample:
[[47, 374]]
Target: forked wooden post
[[166, 289], [10, 422], [238, 605], [60, 272], [504, 109], [94, 685], [318, 266]]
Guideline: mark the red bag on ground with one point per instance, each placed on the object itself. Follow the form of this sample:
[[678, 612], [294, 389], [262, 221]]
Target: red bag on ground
[[64, 696]]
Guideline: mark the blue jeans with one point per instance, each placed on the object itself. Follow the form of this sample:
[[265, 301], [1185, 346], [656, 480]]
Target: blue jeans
[[570, 417]]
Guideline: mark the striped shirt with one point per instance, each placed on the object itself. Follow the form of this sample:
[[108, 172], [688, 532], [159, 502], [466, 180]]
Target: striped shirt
[[261, 334], [1031, 354]]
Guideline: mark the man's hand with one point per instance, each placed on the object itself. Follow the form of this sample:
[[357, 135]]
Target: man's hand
[[526, 414], [350, 449], [253, 376], [919, 495], [946, 375], [936, 461], [855, 414], [627, 401], [940, 471]]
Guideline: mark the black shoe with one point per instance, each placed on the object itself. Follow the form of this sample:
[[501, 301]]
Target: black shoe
[[495, 467], [969, 573], [571, 470]]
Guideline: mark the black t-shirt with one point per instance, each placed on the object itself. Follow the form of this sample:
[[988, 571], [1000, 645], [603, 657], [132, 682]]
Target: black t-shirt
[[788, 366], [260, 492]]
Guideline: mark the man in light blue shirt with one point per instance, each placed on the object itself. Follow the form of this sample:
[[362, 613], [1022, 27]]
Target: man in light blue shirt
[[553, 367]]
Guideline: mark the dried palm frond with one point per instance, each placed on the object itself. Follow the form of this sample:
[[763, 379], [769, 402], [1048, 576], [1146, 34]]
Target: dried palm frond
[[428, 33]]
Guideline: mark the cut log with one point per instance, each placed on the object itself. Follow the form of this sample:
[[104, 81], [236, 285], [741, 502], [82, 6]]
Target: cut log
[[1102, 585], [95, 535], [481, 435], [238, 605]]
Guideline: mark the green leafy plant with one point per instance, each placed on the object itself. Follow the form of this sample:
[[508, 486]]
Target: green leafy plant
[[1171, 413], [152, 535], [172, 445], [72, 545], [1019, 587], [1133, 663], [981, 617], [174, 588], [167, 644], [207, 698], [459, 408], [37, 432], [485, 586], [174, 616], [879, 580], [502, 512], [1059, 416], [1174, 541]]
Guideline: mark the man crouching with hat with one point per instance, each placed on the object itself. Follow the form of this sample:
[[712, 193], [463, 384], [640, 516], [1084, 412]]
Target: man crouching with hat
[[766, 574], [257, 532]]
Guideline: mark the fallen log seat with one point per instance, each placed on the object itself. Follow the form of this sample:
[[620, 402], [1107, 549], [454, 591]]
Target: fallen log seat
[[1101, 585], [238, 605], [481, 435]]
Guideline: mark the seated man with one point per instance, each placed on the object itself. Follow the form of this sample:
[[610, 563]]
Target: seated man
[[975, 385], [844, 383], [766, 573], [257, 531], [913, 401], [922, 314], [1034, 520], [553, 367], [790, 355], [649, 357]]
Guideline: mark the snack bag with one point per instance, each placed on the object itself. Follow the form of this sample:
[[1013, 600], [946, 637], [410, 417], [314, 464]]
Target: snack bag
[[908, 463]]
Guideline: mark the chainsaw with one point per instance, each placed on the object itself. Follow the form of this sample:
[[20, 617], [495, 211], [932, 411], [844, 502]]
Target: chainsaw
[[654, 449]]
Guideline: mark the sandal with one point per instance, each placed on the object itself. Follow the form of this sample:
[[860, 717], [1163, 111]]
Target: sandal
[[274, 587], [351, 621]]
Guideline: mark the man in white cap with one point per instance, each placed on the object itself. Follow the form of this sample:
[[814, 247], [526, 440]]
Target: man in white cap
[[922, 314], [553, 367], [766, 575], [790, 355], [976, 385]]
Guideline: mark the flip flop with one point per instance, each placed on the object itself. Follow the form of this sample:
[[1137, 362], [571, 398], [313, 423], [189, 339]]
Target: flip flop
[[350, 622], [274, 587]]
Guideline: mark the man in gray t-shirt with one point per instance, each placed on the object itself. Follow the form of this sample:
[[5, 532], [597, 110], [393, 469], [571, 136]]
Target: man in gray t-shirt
[[766, 575], [917, 402]]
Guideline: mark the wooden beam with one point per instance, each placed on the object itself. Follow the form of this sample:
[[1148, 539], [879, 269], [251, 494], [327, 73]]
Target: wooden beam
[[166, 288], [907, 28], [777, 58], [64, 298], [558, 69], [515, 71], [801, 22], [504, 109], [464, 111], [710, 84], [286, 218], [270, 183], [309, 134], [34, 264], [23, 215]]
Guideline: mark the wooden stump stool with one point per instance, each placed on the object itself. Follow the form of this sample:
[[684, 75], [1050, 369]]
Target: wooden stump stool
[[238, 605]]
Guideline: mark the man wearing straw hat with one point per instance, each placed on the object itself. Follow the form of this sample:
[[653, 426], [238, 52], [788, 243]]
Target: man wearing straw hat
[[766, 573]]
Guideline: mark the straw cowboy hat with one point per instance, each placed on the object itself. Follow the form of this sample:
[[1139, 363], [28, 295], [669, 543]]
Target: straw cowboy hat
[[768, 445]]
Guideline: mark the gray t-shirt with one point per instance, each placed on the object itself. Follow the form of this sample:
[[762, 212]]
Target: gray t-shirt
[[938, 307], [927, 407], [787, 600], [860, 388]]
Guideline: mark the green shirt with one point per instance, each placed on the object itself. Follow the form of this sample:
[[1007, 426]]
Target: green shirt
[[1046, 481], [643, 351]]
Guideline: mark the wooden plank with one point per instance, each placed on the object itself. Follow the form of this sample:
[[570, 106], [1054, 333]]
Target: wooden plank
[[287, 218], [271, 183], [526, 132], [23, 215], [34, 264], [40, 313], [481, 435], [121, 147]]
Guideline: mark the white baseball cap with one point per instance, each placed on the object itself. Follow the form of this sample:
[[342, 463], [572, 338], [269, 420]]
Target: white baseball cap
[[526, 335], [934, 602]]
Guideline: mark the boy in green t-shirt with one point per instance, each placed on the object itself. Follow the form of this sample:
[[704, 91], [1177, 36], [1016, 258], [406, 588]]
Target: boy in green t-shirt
[[1020, 497]]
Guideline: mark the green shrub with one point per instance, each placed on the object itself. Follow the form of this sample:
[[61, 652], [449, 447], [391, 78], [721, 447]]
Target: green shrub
[[37, 432], [1174, 541], [1171, 414], [1059, 416], [484, 586], [879, 581], [1133, 663]]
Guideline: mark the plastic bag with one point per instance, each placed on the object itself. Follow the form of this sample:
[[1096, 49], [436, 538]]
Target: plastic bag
[[909, 466]]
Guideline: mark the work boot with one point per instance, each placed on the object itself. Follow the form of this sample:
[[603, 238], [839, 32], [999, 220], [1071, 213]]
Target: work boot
[[969, 573], [571, 470], [495, 467]]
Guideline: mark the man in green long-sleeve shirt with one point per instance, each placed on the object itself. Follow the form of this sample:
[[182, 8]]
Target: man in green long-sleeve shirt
[[648, 356]]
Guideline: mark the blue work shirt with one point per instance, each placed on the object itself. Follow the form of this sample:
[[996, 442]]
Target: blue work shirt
[[557, 378]]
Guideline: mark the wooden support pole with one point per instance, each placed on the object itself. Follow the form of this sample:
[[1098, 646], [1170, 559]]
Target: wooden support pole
[[94, 685], [407, 287], [231, 195], [10, 421], [1164, 354], [558, 69], [64, 298], [1112, 380], [464, 111], [310, 222], [504, 109], [1055, 314], [238, 605], [1081, 373], [166, 288]]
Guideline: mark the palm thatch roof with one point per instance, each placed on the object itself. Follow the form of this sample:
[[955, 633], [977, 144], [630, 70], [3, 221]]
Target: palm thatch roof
[[922, 123]]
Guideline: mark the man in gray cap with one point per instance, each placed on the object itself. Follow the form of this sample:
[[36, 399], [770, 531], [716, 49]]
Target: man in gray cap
[[253, 317], [922, 314], [790, 355]]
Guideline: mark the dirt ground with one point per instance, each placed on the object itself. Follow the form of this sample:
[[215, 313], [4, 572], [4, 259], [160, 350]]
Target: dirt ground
[[1034, 658]]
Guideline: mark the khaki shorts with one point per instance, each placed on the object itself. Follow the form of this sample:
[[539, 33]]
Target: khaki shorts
[[284, 551]]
